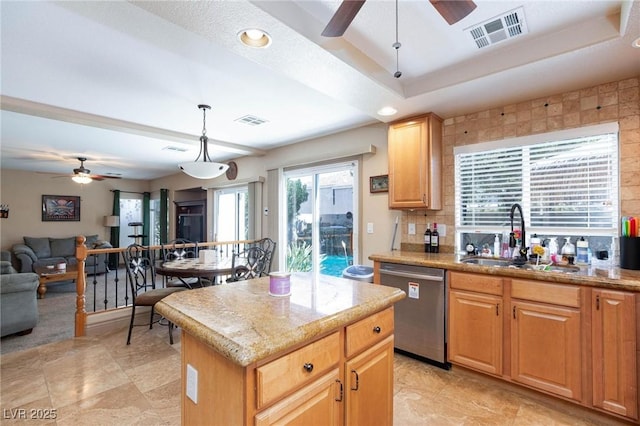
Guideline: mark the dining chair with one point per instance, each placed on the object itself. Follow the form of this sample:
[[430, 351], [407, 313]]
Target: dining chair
[[269, 246], [141, 277], [180, 249], [247, 264]]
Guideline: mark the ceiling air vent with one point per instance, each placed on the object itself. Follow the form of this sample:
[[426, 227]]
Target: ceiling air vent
[[251, 120], [495, 30]]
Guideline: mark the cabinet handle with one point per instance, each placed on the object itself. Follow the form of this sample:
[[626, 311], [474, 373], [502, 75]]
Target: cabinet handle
[[514, 312], [377, 329], [357, 380], [597, 302], [308, 367], [497, 309], [341, 391]]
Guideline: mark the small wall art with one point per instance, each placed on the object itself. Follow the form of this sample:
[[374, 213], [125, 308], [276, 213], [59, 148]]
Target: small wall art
[[60, 208], [379, 183]]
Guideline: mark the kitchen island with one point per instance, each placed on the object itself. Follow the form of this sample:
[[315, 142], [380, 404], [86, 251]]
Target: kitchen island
[[572, 333], [323, 355]]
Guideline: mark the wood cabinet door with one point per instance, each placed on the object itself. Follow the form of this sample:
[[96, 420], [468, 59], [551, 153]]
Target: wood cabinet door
[[546, 349], [614, 352], [475, 331], [407, 164], [369, 386], [318, 404]]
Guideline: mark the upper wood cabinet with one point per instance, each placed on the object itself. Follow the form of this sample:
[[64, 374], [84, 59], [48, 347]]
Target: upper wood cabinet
[[415, 163]]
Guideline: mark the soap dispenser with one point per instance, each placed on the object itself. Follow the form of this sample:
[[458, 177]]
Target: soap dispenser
[[582, 253], [496, 246], [568, 251], [553, 246]]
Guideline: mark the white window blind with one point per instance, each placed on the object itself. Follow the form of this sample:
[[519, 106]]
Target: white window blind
[[561, 184]]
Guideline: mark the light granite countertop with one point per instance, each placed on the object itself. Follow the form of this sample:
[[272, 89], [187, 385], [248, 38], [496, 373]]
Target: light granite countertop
[[245, 324], [611, 277]]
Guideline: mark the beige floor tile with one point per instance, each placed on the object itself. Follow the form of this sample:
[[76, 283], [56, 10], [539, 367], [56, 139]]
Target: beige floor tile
[[82, 375], [101, 380], [155, 373], [23, 390], [122, 405], [14, 365], [166, 401]]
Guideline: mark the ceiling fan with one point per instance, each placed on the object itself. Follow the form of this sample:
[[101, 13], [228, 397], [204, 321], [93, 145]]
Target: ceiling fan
[[83, 175], [451, 10]]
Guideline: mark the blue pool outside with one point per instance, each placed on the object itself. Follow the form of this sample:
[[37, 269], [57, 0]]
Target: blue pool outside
[[334, 265]]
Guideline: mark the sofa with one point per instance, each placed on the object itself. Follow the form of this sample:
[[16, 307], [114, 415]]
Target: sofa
[[18, 299], [43, 251]]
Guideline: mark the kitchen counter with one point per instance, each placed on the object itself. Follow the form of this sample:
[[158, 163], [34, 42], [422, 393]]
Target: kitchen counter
[[244, 324], [611, 277]]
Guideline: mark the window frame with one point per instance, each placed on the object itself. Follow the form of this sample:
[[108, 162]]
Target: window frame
[[563, 135]]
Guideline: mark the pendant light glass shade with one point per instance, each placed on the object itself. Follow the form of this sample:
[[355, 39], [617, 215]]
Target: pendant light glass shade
[[204, 169]]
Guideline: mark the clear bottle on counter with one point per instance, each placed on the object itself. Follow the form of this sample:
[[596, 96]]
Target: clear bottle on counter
[[496, 246], [582, 251], [553, 246], [568, 251]]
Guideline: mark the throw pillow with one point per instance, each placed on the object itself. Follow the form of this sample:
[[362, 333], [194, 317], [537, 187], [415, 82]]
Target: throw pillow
[[63, 247], [91, 240], [40, 246], [6, 268]]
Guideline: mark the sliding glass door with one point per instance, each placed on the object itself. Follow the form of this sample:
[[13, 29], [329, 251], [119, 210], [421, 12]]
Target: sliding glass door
[[321, 221], [232, 214]]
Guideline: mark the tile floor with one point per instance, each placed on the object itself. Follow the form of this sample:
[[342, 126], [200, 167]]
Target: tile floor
[[101, 381]]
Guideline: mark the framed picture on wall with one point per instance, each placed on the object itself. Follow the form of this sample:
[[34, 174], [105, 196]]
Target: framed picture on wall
[[60, 208], [379, 183]]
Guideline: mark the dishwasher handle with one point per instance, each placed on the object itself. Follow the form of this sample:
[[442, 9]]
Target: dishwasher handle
[[411, 275]]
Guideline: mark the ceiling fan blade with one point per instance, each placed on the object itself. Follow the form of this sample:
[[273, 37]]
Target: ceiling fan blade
[[453, 10], [342, 18], [103, 177]]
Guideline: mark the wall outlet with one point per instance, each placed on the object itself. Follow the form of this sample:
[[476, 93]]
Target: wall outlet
[[442, 230], [192, 383], [412, 229], [370, 228]]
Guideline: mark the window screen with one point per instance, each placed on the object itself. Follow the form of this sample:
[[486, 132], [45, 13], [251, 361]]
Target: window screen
[[562, 185]]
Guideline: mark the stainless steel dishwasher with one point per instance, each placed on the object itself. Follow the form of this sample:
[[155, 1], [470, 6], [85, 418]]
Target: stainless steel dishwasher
[[420, 318]]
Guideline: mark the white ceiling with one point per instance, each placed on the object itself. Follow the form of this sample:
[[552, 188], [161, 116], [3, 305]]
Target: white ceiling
[[119, 81]]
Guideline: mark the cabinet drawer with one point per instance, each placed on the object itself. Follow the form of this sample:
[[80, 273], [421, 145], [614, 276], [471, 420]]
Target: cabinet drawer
[[474, 282], [289, 372], [368, 331], [317, 403], [556, 294]]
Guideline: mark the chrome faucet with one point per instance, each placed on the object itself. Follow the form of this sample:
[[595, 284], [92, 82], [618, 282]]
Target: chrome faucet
[[512, 239]]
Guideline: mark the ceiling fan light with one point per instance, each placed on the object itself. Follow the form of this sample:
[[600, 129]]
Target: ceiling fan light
[[81, 178], [204, 169]]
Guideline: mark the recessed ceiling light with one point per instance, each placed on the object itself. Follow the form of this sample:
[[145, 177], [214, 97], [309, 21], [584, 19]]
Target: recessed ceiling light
[[387, 111], [636, 43], [254, 37]]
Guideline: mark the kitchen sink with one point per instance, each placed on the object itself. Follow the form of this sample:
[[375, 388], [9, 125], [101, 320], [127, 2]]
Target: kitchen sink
[[483, 261], [508, 263]]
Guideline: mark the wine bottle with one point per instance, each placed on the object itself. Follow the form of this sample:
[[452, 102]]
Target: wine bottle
[[427, 239], [435, 242]]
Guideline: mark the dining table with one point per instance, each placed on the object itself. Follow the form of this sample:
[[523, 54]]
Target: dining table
[[183, 268]]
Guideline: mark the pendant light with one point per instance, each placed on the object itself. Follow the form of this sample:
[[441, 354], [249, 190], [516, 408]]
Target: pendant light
[[397, 46], [205, 169]]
